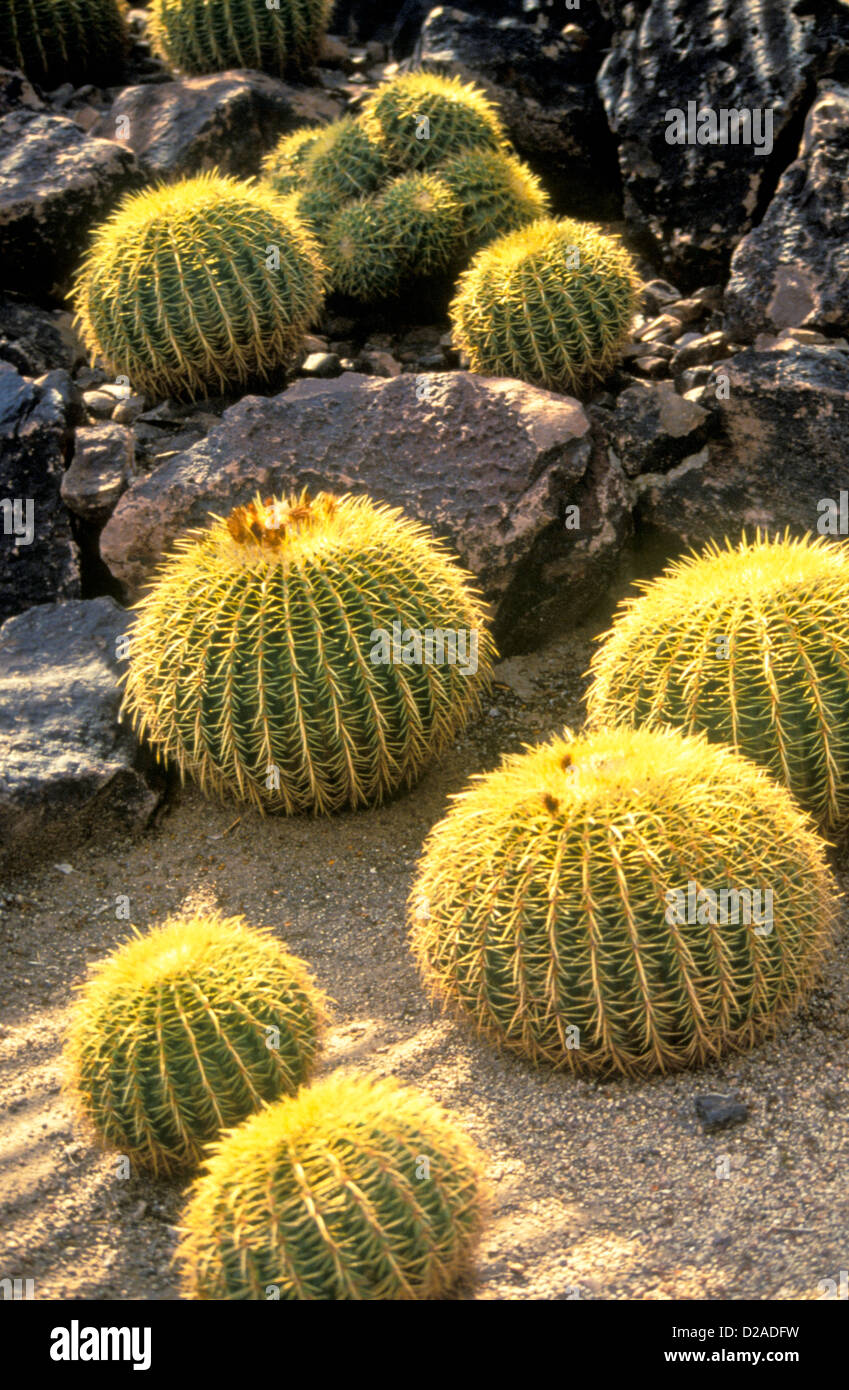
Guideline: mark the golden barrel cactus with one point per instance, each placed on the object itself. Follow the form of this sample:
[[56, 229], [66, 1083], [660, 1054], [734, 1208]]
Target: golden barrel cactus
[[622, 901]]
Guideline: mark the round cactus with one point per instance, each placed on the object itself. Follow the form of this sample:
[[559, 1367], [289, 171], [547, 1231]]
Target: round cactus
[[496, 192], [550, 304], [57, 41], [357, 1189], [751, 645], [200, 36], [342, 163], [283, 166], [624, 901], [198, 285], [410, 230], [307, 653], [421, 119], [186, 1030]]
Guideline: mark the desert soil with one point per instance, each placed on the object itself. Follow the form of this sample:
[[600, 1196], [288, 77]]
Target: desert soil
[[600, 1190]]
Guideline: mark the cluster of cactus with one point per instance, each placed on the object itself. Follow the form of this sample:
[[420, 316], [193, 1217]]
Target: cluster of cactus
[[749, 644], [200, 36], [185, 1031], [592, 903], [358, 1188], [55, 41], [199, 285], [414, 185], [307, 653], [550, 303]]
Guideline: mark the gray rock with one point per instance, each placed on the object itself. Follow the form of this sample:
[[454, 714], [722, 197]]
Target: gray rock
[[68, 770], [99, 403], [793, 269], [544, 85], [652, 428], [226, 119], [55, 184], [699, 350], [717, 1112], [490, 465], [102, 469], [16, 91], [39, 560], [36, 340], [693, 202], [778, 451], [321, 364]]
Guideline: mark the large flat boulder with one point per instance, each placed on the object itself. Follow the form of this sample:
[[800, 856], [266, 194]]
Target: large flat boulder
[[491, 465]]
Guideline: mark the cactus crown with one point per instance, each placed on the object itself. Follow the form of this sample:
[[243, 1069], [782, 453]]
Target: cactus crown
[[196, 285], [253, 661], [357, 1189], [187, 1029], [57, 41], [749, 643], [420, 119], [551, 303], [282, 167], [200, 36], [541, 907]]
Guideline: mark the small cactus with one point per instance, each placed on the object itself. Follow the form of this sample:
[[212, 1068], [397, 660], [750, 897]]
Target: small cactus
[[56, 41], [420, 119], [749, 644], [199, 36], [410, 230], [550, 304], [283, 166], [591, 903], [186, 1030], [341, 164], [198, 285], [496, 192], [357, 1189], [260, 661]]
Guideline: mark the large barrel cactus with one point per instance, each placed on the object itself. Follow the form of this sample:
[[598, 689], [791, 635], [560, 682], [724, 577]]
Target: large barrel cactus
[[56, 41], [186, 1030], [200, 36], [198, 286], [625, 901], [307, 653], [357, 1189], [751, 645], [551, 304]]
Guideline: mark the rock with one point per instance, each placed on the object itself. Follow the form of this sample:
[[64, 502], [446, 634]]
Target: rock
[[793, 269], [779, 449], [102, 469], [491, 465], [381, 363], [718, 1112], [663, 329], [693, 202], [544, 85], [701, 350], [16, 91], [55, 184], [35, 340], [128, 410], [61, 381], [226, 120], [99, 403], [652, 366], [68, 771], [39, 560], [652, 428], [655, 295], [321, 364]]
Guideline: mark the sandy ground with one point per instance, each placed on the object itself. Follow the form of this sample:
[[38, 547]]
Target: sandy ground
[[601, 1191]]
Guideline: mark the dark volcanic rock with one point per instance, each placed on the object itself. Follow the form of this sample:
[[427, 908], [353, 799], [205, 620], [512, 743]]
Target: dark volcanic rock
[[490, 465], [38, 556], [55, 184], [227, 120], [652, 428], [691, 201], [68, 770], [792, 271], [36, 340], [780, 449], [102, 469], [544, 85], [17, 91], [718, 1112]]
